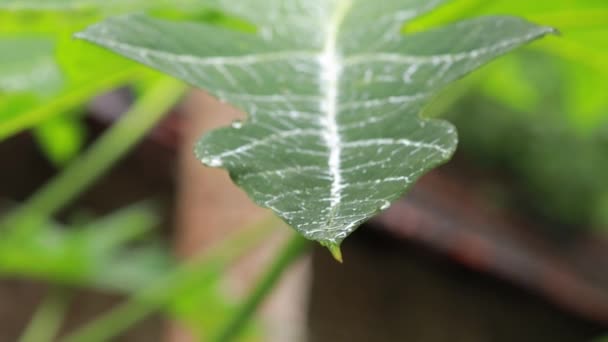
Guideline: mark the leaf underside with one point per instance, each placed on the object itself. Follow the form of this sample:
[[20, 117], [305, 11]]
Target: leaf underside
[[333, 92]]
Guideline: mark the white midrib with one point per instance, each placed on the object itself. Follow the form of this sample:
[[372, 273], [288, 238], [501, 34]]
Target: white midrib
[[331, 68]]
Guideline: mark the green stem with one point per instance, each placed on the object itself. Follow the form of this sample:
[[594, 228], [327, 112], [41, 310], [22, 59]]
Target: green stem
[[290, 253], [108, 149], [48, 318], [154, 298]]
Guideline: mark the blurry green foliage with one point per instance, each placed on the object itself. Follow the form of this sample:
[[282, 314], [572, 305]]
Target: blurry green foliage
[[91, 254], [583, 48], [542, 113], [86, 70], [202, 304], [46, 78]]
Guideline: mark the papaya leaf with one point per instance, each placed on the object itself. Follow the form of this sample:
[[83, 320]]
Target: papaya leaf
[[333, 92]]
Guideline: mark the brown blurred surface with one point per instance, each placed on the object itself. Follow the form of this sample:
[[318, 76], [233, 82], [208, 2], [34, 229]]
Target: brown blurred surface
[[388, 290], [448, 213]]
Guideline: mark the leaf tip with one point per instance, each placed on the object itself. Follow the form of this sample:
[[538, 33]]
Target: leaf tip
[[554, 31], [335, 251]]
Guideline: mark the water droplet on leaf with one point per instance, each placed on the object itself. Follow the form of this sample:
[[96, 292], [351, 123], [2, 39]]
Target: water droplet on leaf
[[385, 205], [213, 162]]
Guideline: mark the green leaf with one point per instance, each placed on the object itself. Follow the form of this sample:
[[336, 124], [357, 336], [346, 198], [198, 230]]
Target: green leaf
[[333, 93]]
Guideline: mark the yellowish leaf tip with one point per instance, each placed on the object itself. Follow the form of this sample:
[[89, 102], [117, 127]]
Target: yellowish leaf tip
[[335, 252]]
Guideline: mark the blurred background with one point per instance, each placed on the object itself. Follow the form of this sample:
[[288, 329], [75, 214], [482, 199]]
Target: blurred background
[[111, 230]]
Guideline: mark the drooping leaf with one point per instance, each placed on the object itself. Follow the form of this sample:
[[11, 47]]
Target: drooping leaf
[[333, 93]]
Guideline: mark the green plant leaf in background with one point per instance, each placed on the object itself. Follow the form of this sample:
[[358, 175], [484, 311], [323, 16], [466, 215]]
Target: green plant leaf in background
[[552, 93], [87, 71], [94, 254], [111, 253], [29, 76], [333, 93], [28, 64], [583, 47]]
